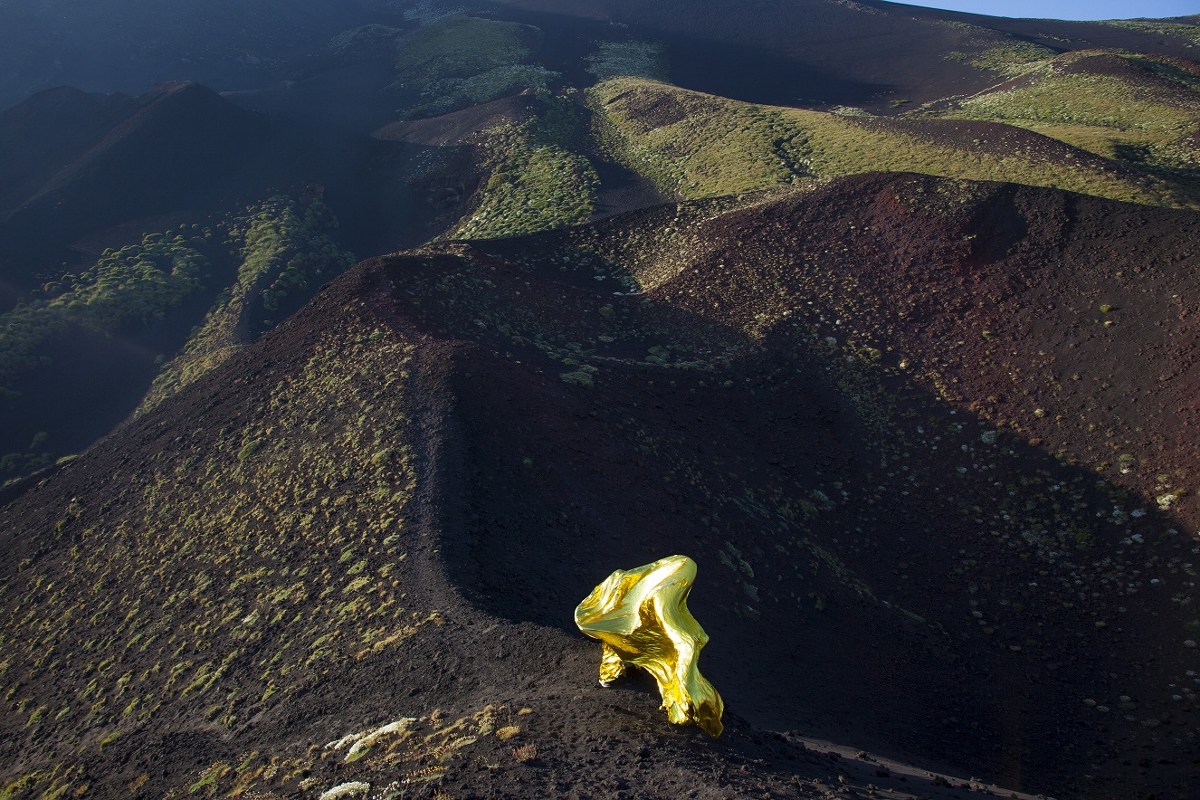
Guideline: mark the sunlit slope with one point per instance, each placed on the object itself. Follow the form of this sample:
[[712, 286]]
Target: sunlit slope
[[209, 590], [1141, 110], [694, 145]]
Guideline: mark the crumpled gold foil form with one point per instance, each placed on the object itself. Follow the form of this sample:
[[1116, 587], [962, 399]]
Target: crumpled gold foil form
[[641, 617]]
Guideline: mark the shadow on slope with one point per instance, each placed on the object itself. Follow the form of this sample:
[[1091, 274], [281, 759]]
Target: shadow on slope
[[282, 520], [278, 556], [825, 51], [896, 569], [172, 153]]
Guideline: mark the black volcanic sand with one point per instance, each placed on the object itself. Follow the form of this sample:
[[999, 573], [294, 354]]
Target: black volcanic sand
[[171, 153], [882, 562]]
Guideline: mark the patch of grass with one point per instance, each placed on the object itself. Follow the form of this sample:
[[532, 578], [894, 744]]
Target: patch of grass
[[1013, 58], [536, 183], [138, 282], [992, 50], [455, 93], [633, 58], [285, 245], [209, 779], [694, 145], [1133, 109], [462, 60], [1183, 30], [249, 449], [461, 46]]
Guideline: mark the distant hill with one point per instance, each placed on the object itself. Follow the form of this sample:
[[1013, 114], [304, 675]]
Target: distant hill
[[168, 152], [838, 51], [130, 45], [49, 130]]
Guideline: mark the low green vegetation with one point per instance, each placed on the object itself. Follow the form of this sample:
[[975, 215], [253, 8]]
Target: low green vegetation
[[633, 58], [460, 61], [136, 283], [1012, 58], [1183, 30], [1138, 110], [461, 46], [993, 50], [536, 182], [285, 246], [1151, 111], [694, 145], [212, 595]]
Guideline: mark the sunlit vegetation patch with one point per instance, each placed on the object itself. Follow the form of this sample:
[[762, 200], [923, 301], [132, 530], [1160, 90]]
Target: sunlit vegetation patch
[[457, 92], [286, 247], [995, 51], [233, 576], [536, 182], [461, 61], [1134, 109], [694, 145], [1013, 58], [1183, 30], [635, 58], [136, 283]]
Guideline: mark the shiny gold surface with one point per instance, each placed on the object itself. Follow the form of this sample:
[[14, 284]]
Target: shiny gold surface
[[641, 617]]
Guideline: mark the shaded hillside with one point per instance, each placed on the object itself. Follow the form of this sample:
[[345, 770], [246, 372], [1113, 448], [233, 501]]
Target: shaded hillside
[[79, 354], [49, 130], [23, 257], [389, 506], [832, 51], [130, 45], [169, 155]]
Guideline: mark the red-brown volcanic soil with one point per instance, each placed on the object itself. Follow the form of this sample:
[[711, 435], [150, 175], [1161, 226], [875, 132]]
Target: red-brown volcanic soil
[[856, 407]]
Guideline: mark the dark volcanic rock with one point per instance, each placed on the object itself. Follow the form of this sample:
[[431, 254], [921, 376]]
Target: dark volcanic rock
[[41, 135], [388, 507], [168, 153]]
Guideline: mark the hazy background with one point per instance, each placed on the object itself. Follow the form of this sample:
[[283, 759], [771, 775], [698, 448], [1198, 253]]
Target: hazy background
[[1070, 9]]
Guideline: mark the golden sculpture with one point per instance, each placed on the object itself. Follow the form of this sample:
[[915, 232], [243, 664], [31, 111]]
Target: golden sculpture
[[641, 617]]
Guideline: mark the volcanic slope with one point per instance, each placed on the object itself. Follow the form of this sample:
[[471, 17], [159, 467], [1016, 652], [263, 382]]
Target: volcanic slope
[[221, 645], [695, 145], [169, 154], [867, 54], [388, 507], [49, 130], [1142, 111]]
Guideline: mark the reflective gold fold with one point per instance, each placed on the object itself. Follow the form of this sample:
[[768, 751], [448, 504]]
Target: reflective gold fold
[[641, 617]]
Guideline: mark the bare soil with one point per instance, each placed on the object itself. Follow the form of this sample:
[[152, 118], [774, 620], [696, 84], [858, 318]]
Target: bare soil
[[876, 569]]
